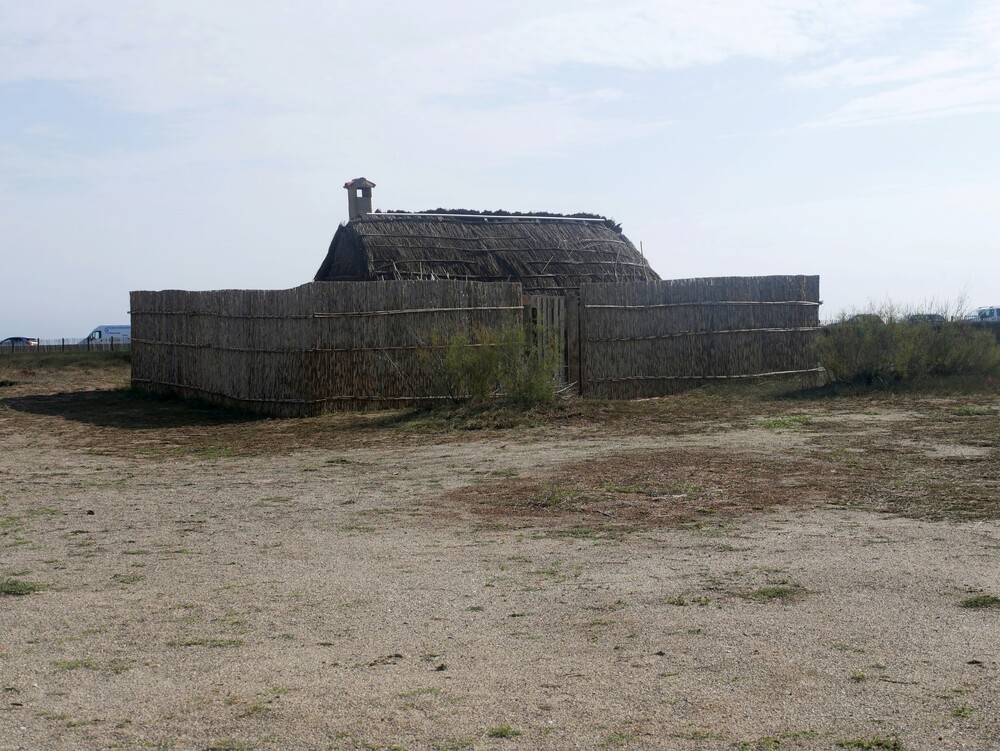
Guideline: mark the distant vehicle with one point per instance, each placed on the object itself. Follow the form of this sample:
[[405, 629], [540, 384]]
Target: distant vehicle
[[104, 334], [19, 341], [926, 318], [991, 313]]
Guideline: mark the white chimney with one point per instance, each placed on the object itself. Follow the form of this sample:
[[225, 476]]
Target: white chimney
[[359, 197]]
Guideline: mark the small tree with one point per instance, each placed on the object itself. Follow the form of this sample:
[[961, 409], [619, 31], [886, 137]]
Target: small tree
[[487, 364]]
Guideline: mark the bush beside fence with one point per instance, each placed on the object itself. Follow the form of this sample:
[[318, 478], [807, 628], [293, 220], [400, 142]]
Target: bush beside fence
[[868, 350]]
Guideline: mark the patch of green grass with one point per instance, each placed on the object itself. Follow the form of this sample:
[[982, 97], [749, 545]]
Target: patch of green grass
[[355, 528], [774, 743], [974, 410], [502, 731], [789, 421], [617, 740], [14, 587], [577, 532], [229, 744], [698, 735], [682, 601], [878, 743], [9, 524], [212, 452], [770, 592], [86, 663], [116, 665], [455, 745], [127, 578], [859, 676], [962, 712], [273, 499], [764, 743], [551, 495], [203, 642], [981, 601], [426, 691], [617, 487], [843, 647], [253, 709], [42, 511]]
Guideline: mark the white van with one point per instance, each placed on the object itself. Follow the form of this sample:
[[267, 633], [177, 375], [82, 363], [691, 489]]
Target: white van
[[990, 313], [108, 334]]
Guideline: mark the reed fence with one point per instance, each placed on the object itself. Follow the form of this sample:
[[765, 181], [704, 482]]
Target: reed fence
[[330, 345], [653, 338], [311, 348]]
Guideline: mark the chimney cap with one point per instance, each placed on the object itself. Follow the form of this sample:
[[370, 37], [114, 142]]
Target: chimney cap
[[359, 183]]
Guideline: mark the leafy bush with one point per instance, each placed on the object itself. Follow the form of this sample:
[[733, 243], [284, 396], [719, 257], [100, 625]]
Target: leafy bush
[[489, 364], [886, 347]]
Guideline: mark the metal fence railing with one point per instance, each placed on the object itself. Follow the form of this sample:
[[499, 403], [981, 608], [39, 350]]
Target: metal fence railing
[[73, 344]]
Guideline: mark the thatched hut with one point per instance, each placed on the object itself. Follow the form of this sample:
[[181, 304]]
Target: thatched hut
[[546, 253]]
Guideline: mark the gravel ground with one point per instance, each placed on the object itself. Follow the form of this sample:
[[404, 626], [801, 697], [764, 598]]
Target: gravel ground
[[357, 597]]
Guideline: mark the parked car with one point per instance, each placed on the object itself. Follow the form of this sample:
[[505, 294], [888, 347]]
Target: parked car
[[990, 313], [19, 341], [932, 318], [102, 334]]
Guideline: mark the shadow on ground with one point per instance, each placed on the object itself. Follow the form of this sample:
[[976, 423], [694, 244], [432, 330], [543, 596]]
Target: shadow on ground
[[127, 410]]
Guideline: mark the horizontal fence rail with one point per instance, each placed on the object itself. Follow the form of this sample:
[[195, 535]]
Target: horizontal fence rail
[[311, 348], [326, 345], [644, 339]]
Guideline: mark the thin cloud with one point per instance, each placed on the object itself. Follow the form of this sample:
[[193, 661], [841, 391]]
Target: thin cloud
[[643, 37], [935, 98], [884, 70], [961, 78], [182, 56]]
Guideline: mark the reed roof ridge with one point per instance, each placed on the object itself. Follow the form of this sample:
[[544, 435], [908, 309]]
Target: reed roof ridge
[[485, 216]]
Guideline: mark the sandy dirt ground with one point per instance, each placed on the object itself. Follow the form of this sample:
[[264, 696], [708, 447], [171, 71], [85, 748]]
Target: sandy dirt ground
[[687, 575]]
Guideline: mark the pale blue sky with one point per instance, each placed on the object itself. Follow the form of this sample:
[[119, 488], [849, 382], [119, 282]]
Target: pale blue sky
[[203, 145]]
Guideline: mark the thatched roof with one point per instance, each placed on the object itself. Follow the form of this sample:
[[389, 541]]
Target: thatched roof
[[545, 252]]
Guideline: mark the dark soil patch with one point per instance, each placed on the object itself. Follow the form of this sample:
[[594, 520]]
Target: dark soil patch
[[653, 488]]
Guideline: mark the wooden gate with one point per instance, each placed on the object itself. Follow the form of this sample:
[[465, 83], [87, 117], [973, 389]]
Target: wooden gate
[[552, 324]]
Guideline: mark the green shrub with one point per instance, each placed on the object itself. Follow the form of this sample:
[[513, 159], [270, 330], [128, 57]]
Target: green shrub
[[488, 364], [867, 349], [18, 587], [981, 601]]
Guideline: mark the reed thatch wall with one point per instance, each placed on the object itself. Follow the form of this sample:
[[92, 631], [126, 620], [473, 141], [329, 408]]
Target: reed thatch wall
[[304, 350], [334, 344], [655, 338], [545, 253]]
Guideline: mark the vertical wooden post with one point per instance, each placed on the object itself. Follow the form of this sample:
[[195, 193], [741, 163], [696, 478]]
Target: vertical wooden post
[[581, 336], [573, 370]]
